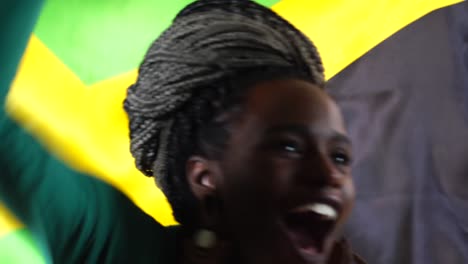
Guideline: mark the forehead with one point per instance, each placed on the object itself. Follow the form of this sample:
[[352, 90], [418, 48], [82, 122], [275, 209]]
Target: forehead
[[292, 101]]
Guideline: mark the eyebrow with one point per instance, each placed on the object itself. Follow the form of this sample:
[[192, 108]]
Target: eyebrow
[[295, 128], [340, 138], [304, 131]]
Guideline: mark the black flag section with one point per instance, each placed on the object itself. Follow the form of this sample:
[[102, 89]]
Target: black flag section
[[406, 105]]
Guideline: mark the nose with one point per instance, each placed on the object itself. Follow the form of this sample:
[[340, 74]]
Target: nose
[[320, 171]]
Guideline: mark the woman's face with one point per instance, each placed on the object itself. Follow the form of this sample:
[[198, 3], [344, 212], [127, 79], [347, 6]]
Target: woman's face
[[284, 180]]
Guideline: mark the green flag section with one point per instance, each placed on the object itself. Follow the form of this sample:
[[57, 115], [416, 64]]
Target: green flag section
[[19, 247], [83, 55], [100, 39]]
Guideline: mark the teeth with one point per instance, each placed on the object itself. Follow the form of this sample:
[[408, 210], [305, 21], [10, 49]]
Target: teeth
[[319, 208], [324, 210]]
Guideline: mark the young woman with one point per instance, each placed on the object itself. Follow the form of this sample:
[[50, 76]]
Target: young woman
[[230, 116]]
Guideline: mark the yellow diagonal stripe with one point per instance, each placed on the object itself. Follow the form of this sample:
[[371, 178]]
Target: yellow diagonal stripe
[[344, 30], [7, 221], [84, 126], [109, 131], [46, 98]]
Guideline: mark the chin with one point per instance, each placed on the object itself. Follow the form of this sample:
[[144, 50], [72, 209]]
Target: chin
[[281, 245]]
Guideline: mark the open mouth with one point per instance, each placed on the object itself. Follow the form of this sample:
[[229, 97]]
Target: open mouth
[[309, 225]]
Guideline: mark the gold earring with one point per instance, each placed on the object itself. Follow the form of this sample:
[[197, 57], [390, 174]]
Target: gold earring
[[205, 238]]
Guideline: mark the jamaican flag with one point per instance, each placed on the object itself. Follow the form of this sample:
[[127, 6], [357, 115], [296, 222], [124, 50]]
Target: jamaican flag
[[398, 69]]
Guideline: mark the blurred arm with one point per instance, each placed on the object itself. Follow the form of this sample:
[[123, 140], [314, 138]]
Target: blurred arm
[[72, 216]]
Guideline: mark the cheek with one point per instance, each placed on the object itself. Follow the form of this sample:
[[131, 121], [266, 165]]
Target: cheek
[[274, 180], [258, 183], [281, 175], [349, 194]]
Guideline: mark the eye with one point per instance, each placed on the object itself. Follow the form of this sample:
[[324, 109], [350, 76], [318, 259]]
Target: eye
[[290, 147], [287, 148], [341, 158]]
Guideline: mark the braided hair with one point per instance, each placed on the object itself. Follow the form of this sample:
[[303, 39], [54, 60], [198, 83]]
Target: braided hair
[[195, 71]]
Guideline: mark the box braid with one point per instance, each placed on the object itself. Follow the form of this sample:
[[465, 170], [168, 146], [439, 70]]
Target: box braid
[[192, 73]]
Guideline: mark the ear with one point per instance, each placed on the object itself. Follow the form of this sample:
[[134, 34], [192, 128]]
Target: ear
[[201, 175]]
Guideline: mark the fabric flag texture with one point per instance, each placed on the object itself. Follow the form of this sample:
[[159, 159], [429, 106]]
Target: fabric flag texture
[[406, 104], [399, 70]]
